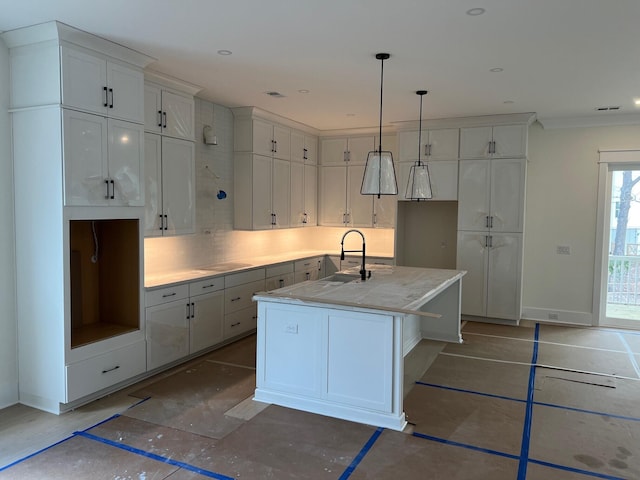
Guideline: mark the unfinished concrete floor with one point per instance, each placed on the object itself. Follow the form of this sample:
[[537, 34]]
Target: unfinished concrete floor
[[536, 403]]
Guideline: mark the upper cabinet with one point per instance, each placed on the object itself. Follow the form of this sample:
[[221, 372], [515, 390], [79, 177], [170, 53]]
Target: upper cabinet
[[168, 112], [503, 141], [304, 148], [262, 137], [93, 83], [435, 144]]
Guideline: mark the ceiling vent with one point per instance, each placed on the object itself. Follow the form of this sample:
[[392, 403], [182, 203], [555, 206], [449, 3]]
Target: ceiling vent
[[608, 109], [275, 94]]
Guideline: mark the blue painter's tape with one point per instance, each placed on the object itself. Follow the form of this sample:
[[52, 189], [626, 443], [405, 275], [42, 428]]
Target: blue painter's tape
[[461, 390], [112, 417], [526, 431], [138, 403], [590, 412], [574, 470], [34, 454], [356, 461], [153, 456], [632, 357], [465, 445]]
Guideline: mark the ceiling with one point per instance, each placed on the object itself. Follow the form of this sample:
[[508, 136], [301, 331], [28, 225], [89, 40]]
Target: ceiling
[[558, 58]]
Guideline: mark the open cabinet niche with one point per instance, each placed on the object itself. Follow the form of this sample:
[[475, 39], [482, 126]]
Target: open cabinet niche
[[104, 273]]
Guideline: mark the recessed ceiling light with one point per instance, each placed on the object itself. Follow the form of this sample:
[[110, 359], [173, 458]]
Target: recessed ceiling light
[[474, 12], [508, 102], [275, 94], [224, 52], [304, 90], [496, 70]]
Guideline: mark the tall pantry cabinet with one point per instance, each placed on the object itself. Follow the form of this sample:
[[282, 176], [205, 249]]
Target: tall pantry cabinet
[[78, 145], [491, 199]]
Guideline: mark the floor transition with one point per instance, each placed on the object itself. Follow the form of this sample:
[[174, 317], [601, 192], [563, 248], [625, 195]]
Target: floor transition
[[535, 403]]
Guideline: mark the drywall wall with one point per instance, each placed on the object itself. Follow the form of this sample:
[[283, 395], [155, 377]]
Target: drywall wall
[[215, 240], [562, 191], [8, 323]]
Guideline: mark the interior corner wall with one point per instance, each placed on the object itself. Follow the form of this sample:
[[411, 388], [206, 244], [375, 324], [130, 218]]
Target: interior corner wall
[[8, 322], [561, 205]]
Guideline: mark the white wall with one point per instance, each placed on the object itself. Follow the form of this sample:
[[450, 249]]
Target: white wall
[[8, 326], [215, 240], [562, 190]]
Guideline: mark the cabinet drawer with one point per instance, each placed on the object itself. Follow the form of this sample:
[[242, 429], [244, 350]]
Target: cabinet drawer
[[239, 278], [166, 294], [237, 298], [279, 281], [280, 269], [240, 322], [307, 264], [206, 286], [311, 274], [102, 371]]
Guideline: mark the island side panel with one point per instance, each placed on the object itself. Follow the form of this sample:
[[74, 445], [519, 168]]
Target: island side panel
[[447, 304]]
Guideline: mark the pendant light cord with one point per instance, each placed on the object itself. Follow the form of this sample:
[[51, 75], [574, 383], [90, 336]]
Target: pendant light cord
[[420, 131], [381, 80]]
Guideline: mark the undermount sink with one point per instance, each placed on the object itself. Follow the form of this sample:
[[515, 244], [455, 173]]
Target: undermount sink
[[342, 277]]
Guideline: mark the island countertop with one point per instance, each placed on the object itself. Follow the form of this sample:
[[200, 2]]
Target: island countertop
[[390, 288]]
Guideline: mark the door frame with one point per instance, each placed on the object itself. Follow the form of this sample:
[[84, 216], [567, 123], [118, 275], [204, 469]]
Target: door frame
[[610, 160]]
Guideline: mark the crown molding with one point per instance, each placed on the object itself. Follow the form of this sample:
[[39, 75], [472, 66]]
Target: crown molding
[[604, 120]]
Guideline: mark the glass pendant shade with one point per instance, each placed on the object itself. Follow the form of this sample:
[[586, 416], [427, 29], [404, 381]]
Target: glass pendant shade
[[379, 175], [419, 184]]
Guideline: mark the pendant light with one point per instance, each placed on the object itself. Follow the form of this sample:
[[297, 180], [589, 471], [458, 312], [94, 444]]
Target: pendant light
[[419, 184], [379, 173]]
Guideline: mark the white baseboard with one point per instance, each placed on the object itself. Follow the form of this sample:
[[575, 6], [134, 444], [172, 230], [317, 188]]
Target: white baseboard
[[555, 316]]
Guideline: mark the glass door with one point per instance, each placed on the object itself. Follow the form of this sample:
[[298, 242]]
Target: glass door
[[620, 233]]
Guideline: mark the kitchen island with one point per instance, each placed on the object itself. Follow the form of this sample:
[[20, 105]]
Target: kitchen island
[[336, 346]]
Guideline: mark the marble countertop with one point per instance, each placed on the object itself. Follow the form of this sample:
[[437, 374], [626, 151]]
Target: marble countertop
[[188, 274], [390, 288]]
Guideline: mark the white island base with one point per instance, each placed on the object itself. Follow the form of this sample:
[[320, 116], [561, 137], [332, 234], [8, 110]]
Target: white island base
[[321, 349]]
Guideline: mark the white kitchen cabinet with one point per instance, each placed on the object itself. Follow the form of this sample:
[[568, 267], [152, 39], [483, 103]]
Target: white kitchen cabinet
[[435, 144], [262, 137], [304, 181], [263, 189], [167, 333], [240, 311], [337, 151], [492, 285], [504, 141], [492, 194], [102, 160], [304, 148], [169, 186], [169, 112], [308, 269], [206, 322], [94, 83], [279, 276], [443, 175]]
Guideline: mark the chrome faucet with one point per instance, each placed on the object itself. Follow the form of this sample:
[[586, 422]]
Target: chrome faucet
[[363, 271]]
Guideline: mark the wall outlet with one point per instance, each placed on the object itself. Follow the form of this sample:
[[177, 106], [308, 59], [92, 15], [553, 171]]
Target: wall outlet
[[563, 250], [553, 316], [291, 328]]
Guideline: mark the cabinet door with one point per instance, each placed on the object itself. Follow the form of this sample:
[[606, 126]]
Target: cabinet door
[[311, 150], [280, 281], [152, 109], [310, 195], [360, 207], [507, 194], [297, 147], [297, 194], [280, 193], [333, 151], [178, 112], [472, 256], [503, 277], [262, 184], [475, 141], [281, 142], [443, 144], [178, 185], [126, 151], [444, 179], [152, 185], [84, 81], [473, 194], [167, 333], [359, 147], [206, 323], [85, 159], [262, 138], [126, 92], [384, 211], [333, 196], [510, 141]]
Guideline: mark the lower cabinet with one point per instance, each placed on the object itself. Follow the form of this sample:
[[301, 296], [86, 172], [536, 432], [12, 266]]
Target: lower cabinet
[[279, 276], [240, 312], [308, 269]]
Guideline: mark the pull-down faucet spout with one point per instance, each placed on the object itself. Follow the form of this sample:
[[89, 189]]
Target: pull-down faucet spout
[[363, 271]]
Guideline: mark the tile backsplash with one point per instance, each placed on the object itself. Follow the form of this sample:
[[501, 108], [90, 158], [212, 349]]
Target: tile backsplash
[[215, 240]]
